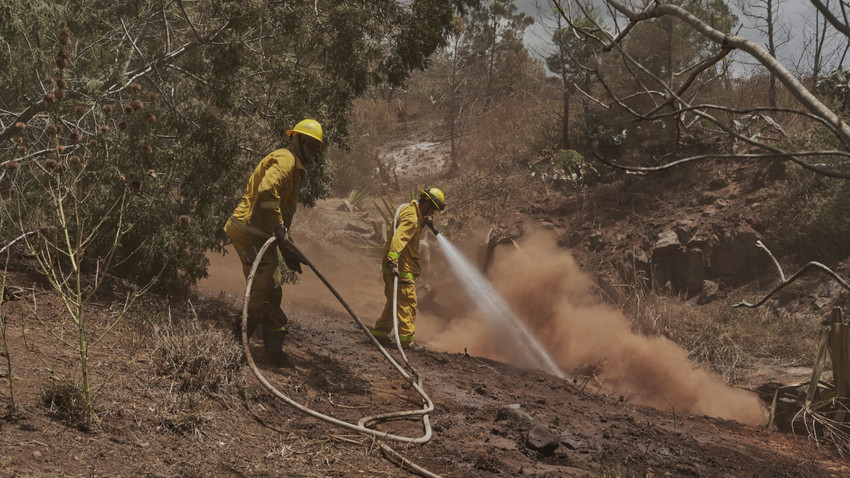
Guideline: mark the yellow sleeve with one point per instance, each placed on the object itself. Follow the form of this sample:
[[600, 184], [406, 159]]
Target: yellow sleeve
[[408, 224], [275, 192]]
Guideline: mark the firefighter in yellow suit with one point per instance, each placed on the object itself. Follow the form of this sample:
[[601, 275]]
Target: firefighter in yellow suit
[[266, 209], [401, 259]]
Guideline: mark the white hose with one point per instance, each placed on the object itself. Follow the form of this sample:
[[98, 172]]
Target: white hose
[[361, 426]]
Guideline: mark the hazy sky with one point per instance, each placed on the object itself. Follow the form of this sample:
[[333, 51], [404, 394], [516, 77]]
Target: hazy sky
[[798, 15]]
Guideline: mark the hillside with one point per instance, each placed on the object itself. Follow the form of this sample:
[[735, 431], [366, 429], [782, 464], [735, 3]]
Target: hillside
[[181, 403]]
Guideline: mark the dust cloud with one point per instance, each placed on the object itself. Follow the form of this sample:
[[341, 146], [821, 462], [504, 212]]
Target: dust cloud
[[547, 289], [354, 273]]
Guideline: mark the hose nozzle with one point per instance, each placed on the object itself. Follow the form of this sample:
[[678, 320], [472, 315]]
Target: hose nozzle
[[430, 225]]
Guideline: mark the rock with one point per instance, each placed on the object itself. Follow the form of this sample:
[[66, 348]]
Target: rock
[[709, 292], [356, 228], [542, 440], [718, 183], [666, 240]]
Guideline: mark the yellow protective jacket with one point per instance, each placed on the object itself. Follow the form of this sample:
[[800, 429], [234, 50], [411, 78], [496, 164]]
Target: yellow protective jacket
[[403, 246], [270, 196]]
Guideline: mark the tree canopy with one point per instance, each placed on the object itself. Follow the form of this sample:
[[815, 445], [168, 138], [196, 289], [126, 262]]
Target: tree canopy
[[178, 100]]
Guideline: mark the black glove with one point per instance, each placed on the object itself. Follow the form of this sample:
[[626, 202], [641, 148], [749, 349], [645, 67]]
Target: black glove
[[394, 269], [429, 222], [291, 257], [281, 233]]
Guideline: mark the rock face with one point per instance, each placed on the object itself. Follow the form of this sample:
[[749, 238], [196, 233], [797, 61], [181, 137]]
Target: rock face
[[685, 259]]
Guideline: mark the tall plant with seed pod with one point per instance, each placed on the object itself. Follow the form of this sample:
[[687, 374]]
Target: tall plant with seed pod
[[71, 189]]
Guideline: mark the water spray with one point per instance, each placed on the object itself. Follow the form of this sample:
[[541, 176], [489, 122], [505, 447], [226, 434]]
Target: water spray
[[496, 309]]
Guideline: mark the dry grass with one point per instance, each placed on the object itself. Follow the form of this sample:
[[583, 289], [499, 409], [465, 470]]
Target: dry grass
[[65, 402], [720, 336], [195, 364], [196, 358]]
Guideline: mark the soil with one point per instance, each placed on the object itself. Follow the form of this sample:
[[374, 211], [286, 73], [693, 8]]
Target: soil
[[489, 415]]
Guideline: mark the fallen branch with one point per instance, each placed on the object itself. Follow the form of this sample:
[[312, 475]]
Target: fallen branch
[[791, 279]]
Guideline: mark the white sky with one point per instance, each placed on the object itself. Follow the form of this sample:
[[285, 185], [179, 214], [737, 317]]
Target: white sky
[[797, 14]]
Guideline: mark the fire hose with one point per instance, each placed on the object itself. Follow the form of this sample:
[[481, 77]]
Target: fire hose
[[362, 425]]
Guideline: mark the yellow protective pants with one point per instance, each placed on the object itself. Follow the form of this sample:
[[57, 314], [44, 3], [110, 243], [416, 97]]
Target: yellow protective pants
[[406, 311], [266, 295]]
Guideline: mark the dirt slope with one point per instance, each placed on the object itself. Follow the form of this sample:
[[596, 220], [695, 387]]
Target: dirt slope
[[153, 423], [148, 427]]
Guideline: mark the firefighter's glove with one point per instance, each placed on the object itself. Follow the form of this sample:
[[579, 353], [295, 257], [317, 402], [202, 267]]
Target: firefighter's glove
[[429, 222], [394, 269], [291, 257], [281, 233]]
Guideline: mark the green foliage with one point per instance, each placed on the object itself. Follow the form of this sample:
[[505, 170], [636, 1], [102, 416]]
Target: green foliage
[[219, 84], [836, 87]]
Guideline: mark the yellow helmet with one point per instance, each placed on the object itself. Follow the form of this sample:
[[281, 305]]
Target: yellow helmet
[[308, 127], [436, 196]]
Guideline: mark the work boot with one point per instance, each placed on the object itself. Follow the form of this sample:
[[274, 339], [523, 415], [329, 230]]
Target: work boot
[[273, 343], [414, 347]]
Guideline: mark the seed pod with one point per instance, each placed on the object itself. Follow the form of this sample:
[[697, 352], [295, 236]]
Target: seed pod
[[21, 126], [49, 80], [60, 148], [136, 185], [80, 109], [122, 178], [150, 118], [104, 129], [147, 149], [136, 87], [59, 93], [49, 98], [61, 83], [92, 142], [122, 126], [74, 137], [153, 95], [22, 149], [74, 160], [61, 63], [185, 220], [106, 109], [12, 165], [137, 104], [50, 129], [128, 109], [19, 140]]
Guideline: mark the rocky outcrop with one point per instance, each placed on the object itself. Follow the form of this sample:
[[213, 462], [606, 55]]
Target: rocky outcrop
[[686, 259]]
